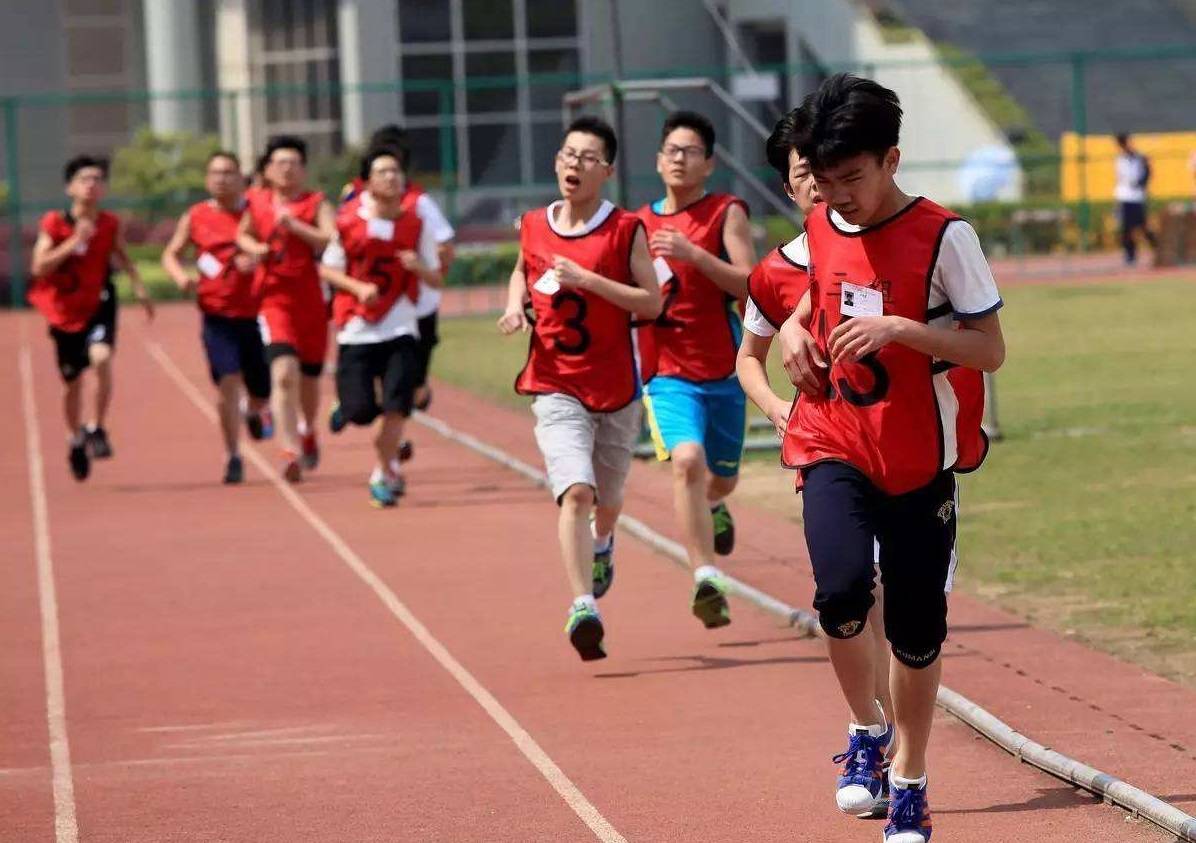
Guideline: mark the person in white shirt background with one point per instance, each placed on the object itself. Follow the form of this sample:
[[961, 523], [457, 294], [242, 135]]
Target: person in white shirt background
[[1129, 191]]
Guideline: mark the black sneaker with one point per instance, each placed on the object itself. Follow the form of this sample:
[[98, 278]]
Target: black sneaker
[[406, 450], [98, 444], [255, 426], [80, 462], [603, 570], [336, 419], [234, 472], [724, 530], [425, 400]]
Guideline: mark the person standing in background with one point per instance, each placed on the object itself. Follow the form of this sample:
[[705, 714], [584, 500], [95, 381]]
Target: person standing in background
[[1132, 177]]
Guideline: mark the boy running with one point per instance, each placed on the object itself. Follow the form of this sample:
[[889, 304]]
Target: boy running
[[382, 254], [696, 408], [72, 287], [903, 317], [584, 267], [776, 287], [287, 227], [224, 292]]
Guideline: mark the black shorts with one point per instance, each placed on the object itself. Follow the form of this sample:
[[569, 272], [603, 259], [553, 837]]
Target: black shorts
[[428, 338], [275, 350], [847, 520], [71, 347], [375, 378], [234, 346], [1131, 214]]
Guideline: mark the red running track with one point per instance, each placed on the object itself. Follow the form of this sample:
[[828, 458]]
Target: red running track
[[229, 675]]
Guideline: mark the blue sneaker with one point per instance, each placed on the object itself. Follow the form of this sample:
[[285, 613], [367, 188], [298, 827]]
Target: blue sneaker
[[909, 816], [382, 495], [604, 569], [860, 787], [336, 418]]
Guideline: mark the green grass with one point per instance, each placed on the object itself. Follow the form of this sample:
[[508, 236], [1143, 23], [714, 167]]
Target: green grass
[[1084, 515]]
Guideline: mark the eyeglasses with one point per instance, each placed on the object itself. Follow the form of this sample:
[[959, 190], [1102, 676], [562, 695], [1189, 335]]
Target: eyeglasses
[[672, 151], [584, 159]]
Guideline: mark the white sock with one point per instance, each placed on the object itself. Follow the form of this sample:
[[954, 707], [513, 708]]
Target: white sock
[[705, 572], [876, 730], [377, 475], [906, 784], [76, 438], [586, 601], [716, 504], [603, 543]]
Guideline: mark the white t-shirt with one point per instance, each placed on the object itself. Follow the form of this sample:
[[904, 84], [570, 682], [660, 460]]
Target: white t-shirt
[[798, 251], [604, 210], [401, 320], [1130, 170]]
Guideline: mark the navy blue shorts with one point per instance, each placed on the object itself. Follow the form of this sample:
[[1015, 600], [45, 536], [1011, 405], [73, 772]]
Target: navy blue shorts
[[234, 346]]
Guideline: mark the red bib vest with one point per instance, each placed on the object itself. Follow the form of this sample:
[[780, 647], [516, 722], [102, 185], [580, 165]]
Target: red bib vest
[[70, 295], [372, 249], [228, 292], [898, 416], [776, 286], [581, 344], [289, 271], [697, 331]]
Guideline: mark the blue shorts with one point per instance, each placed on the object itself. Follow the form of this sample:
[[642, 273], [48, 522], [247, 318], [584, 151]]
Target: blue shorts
[[711, 414], [234, 346]]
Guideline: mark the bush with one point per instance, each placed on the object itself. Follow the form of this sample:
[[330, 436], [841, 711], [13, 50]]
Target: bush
[[162, 172], [480, 267]]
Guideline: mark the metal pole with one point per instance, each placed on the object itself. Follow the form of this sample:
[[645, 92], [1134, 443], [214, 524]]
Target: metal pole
[[448, 166], [1079, 115], [616, 34], [12, 169]]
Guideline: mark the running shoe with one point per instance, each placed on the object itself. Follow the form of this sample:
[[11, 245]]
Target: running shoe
[[724, 530], [396, 480], [406, 450], [909, 816], [80, 462], [292, 471], [336, 418], [585, 632], [382, 496], [425, 400], [710, 602], [259, 425], [234, 471], [311, 451], [604, 569], [859, 790], [98, 444]]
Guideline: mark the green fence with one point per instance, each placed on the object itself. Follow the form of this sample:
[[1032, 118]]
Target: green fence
[[485, 147]]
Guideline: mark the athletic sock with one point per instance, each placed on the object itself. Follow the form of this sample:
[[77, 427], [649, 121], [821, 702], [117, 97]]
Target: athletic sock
[[874, 731], [705, 572], [602, 544], [77, 438], [906, 784], [585, 601]]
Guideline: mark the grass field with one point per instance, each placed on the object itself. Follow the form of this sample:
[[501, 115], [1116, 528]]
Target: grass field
[[1084, 517]]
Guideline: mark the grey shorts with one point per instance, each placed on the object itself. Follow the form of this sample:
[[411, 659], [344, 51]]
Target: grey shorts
[[593, 449]]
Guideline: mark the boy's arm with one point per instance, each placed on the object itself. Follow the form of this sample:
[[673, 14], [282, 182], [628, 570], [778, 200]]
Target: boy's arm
[[800, 356], [173, 251], [246, 242], [47, 257], [643, 300], [731, 275], [317, 236], [751, 365], [425, 262], [513, 318], [332, 269], [120, 257], [978, 344]]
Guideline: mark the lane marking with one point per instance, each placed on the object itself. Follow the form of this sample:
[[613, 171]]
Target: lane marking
[[527, 745], [66, 826]]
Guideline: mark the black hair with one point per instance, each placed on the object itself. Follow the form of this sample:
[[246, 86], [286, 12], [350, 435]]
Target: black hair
[[1122, 138], [79, 162], [789, 131], [286, 142], [224, 153], [374, 153], [395, 137], [848, 116], [699, 123], [599, 128]]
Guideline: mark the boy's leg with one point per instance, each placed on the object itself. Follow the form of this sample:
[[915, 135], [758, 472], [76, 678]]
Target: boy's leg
[[71, 352], [284, 396], [312, 349], [917, 536], [573, 531], [726, 423], [614, 448], [100, 356], [255, 373], [397, 375], [429, 336]]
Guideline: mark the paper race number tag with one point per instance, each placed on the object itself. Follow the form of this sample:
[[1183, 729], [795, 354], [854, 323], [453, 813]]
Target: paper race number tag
[[378, 229], [81, 247], [663, 271], [209, 265], [548, 283], [855, 300]]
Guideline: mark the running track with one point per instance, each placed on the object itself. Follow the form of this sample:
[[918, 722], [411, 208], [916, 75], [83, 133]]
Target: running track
[[255, 665]]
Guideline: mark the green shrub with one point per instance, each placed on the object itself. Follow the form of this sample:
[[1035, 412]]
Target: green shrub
[[162, 172]]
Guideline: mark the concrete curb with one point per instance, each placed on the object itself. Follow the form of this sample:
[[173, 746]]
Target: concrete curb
[[1108, 787]]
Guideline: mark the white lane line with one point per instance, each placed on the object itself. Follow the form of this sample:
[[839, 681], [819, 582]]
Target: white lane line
[[531, 750], [66, 826]]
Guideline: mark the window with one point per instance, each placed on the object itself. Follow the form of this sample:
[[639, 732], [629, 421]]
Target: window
[[488, 20], [494, 154], [496, 72], [562, 66], [551, 19], [425, 69], [421, 21], [546, 142]]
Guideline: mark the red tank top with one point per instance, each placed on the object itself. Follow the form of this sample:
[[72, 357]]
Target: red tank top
[[697, 333], [70, 295], [581, 344], [776, 286], [898, 416], [223, 290], [290, 270], [372, 249]]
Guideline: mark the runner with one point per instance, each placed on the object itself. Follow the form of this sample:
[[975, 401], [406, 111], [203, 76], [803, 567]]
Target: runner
[[224, 292], [72, 287], [287, 228], [902, 307], [382, 255], [585, 269], [696, 408]]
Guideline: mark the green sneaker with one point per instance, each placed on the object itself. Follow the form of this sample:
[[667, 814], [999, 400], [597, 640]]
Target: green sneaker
[[724, 530], [585, 632], [382, 496], [710, 602], [604, 570]]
